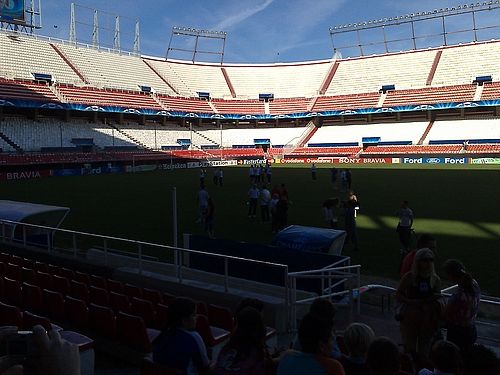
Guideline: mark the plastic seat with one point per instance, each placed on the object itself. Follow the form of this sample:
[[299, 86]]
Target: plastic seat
[[132, 332], [212, 336], [132, 291], [14, 272], [99, 296], [10, 315], [119, 302], [79, 290], [102, 320], [77, 312], [54, 270], [17, 260], [144, 309], [32, 297], [115, 286], [41, 267], [220, 317], [161, 316], [3, 269], [152, 295], [53, 305], [98, 282], [202, 308], [28, 275], [28, 263], [12, 292], [67, 273], [82, 278], [5, 258], [168, 298], [60, 284], [44, 280], [30, 320]]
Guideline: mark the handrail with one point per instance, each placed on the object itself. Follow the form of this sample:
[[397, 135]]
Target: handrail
[[143, 243]]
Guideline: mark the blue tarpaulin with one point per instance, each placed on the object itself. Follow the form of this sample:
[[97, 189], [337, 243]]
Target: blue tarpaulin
[[322, 240]]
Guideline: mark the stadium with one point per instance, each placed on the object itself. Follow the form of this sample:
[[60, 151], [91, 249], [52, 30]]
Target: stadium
[[130, 182]]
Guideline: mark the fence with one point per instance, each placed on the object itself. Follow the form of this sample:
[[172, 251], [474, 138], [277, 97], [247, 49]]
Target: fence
[[75, 244]]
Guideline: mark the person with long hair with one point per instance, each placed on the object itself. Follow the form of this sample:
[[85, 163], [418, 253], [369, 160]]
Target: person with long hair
[[179, 346], [419, 295], [246, 352], [462, 307]]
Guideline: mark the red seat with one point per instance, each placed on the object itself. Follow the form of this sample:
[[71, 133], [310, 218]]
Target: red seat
[[148, 367], [30, 320], [41, 267], [77, 312], [98, 282], [115, 286], [54, 270], [161, 316], [212, 336], [5, 258], [60, 284], [12, 292], [132, 332], [53, 303], [3, 269], [10, 315], [67, 273], [32, 297], [220, 317], [132, 291], [79, 290], [144, 309], [202, 308], [28, 263], [17, 260], [44, 280], [99, 296], [168, 298], [82, 278], [152, 295], [119, 302], [14, 272], [102, 320], [28, 275]]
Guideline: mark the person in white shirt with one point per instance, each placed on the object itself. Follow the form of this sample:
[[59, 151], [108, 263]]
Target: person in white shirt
[[203, 173], [221, 177], [253, 198], [268, 172], [265, 200], [313, 171], [257, 173], [405, 223], [203, 197]]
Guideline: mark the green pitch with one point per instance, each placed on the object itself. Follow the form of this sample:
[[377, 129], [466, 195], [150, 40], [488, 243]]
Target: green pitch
[[461, 207]]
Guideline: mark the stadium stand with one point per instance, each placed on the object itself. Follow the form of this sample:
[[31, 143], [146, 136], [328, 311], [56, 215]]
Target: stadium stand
[[424, 149], [368, 74], [282, 80], [16, 89], [341, 102], [465, 130], [431, 95], [491, 91], [410, 131]]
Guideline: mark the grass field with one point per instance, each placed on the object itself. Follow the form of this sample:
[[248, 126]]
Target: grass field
[[461, 207]]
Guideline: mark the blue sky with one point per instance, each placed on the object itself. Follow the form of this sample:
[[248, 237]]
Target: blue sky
[[258, 30]]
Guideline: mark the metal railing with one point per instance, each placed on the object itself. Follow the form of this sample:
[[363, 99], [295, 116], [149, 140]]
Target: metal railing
[[335, 276]]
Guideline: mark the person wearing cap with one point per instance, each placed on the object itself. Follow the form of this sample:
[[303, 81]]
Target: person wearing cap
[[420, 299]]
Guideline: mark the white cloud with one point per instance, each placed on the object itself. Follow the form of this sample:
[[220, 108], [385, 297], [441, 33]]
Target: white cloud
[[235, 19]]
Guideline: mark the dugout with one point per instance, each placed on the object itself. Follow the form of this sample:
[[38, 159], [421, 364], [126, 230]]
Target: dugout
[[13, 214]]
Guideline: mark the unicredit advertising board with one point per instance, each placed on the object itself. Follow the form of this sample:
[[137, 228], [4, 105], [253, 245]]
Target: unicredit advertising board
[[12, 10]]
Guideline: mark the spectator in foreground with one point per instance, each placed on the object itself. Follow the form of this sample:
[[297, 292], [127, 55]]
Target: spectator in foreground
[[445, 358], [246, 352], [350, 207], [323, 309], [179, 346], [265, 201], [357, 339], [253, 199], [203, 197], [424, 241], [56, 356], [462, 307], [480, 360], [383, 357], [316, 341], [419, 296]]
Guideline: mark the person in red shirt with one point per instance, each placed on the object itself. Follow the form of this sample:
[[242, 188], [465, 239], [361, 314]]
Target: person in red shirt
[[424, 241]]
